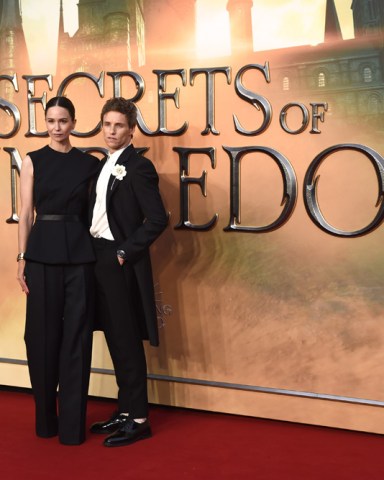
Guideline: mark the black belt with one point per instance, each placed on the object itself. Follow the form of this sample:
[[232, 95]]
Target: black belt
[[59, 218]]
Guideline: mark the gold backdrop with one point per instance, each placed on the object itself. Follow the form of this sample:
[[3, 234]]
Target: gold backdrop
[[285, 324]]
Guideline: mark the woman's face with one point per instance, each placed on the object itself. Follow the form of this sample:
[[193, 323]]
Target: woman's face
[[59, 123]]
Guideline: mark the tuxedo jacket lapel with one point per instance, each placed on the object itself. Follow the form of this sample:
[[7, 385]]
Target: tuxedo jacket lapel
[[92, 198], [113, 183], [124, 157]]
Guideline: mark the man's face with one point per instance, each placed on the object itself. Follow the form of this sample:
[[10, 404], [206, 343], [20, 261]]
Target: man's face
[[116, 131]]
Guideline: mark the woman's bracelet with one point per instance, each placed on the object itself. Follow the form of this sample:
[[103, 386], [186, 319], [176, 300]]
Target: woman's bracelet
[[20, 256]]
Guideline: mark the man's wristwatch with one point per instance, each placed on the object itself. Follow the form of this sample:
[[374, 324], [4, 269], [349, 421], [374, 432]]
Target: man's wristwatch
[[20, 256], [121, 254]]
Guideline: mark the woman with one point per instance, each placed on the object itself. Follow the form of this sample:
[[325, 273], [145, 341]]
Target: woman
[[55, 264]]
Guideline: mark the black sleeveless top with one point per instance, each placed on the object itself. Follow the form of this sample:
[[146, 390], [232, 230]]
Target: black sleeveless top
[[61, 187]]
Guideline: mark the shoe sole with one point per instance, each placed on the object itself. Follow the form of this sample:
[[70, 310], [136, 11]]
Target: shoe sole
[[105, 432], [123, 444]]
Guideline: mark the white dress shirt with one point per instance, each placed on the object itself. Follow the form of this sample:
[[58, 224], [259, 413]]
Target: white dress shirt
[[100, 226]]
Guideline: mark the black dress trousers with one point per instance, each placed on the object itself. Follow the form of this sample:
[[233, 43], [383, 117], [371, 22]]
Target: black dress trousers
[[115, 290], [58, 337]]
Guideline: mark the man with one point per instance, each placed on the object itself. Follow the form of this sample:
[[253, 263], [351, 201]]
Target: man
[[128, 215]]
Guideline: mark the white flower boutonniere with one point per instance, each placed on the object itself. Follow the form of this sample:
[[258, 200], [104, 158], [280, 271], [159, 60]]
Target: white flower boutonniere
[[118, 172]]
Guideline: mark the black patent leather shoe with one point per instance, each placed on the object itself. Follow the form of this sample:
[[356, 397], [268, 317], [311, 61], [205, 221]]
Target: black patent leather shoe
[[129, 433], [109, 426]]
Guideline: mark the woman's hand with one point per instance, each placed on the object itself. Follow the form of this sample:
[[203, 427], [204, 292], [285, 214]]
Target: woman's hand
[[25, 217], [21, 276]]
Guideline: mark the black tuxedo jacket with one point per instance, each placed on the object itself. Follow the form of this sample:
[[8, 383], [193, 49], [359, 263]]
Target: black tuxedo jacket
[[136, 217]]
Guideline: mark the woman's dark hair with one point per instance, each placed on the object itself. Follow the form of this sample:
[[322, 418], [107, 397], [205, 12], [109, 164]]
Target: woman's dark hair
[[63, 102]]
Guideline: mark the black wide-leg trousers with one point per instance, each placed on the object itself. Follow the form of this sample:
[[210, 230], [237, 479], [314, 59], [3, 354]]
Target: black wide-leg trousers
[[58, 337], [115, 291]]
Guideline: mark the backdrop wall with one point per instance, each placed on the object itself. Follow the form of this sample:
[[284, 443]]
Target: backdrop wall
[[269, 287]]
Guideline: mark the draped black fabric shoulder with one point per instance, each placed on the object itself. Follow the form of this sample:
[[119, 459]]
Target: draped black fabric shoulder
[[61, 195]]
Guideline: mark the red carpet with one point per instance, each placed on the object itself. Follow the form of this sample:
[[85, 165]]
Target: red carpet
[[187, 445]]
